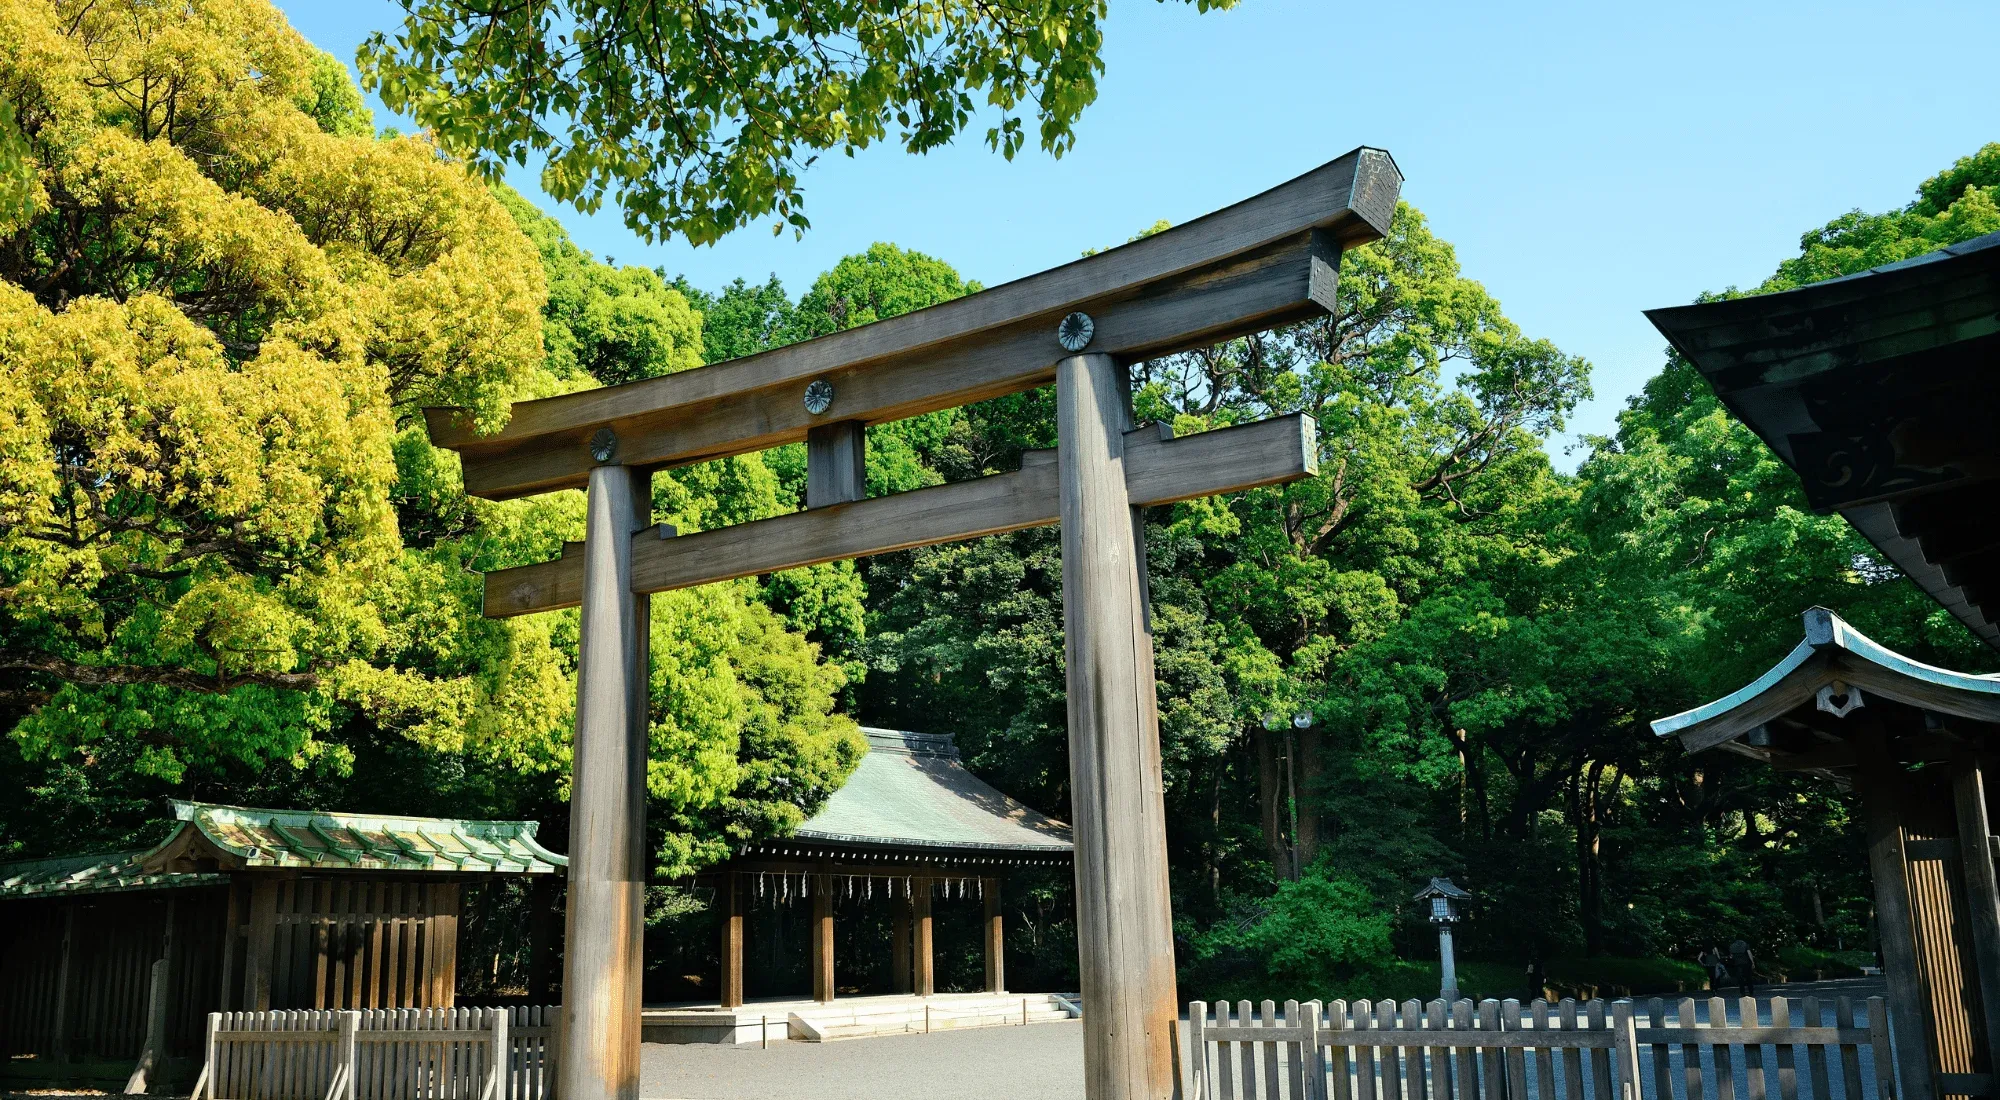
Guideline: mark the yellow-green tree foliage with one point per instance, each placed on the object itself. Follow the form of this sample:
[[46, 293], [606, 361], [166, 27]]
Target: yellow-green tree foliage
[[222, 301]]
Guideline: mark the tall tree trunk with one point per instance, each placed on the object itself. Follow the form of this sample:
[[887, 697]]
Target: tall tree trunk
[[1584, 814], [1311, 771], [1271, 800], [1477, 761], [1212, 852], [1464, 776]]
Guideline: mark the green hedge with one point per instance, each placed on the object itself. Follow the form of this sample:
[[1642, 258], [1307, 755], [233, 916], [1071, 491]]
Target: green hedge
[[1582, 978], [1798, 963]]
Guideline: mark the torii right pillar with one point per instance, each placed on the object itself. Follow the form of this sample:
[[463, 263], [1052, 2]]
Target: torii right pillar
[[1125, 938]]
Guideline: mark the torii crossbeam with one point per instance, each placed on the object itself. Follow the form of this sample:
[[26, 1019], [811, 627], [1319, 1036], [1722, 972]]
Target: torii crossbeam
[[1266, 261]]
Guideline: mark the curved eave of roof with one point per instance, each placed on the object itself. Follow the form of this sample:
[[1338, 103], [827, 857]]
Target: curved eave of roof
[[1757, 350], [1833, 650], [1940, 298], [1053, 847], [481, 846], [71, 875]]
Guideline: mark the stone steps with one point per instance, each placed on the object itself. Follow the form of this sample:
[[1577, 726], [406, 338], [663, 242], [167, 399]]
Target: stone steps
[[818, 1025]]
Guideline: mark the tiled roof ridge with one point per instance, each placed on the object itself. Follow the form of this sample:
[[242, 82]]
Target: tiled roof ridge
[[238, 838], [303, 835], [912, 791], [106, 873], [883, 739], [185, 810]]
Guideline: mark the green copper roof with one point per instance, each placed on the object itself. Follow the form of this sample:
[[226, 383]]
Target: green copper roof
[[92, 875], [1831, 652], [349, 842], [911, 791], [213, 839]]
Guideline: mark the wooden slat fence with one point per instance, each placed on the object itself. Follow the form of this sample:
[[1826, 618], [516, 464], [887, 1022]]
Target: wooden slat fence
[[380, 1054], [76, 973], [1777, 1049]]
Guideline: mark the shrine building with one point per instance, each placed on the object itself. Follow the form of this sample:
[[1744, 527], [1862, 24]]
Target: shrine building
[[910, 830], [1877, 389], [242, 909]]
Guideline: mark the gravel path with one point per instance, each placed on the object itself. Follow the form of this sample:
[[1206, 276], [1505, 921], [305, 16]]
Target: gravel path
[[1044, 1061]]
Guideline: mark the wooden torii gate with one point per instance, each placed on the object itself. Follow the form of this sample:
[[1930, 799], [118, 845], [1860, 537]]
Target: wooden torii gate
[[1266, 261]]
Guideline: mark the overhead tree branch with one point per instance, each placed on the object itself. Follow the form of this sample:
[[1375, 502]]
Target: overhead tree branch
[[90, 675]]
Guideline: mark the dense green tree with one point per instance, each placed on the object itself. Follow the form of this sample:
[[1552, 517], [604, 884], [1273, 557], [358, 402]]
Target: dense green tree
[[742, 319], [699, 120], [231, 565], [609, 324], [212, 322]]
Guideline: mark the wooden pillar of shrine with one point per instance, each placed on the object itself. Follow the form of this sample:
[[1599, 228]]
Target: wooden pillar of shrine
[[822, 936], [996, 943], [920, 904], [730, 895], [899, 945], [65, 974], [257, 960], [1982, 891], [1125, 941], [1880, 779], [605, 924]]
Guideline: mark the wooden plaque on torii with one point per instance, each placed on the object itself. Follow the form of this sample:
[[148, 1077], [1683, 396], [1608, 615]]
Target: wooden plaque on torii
[[1263, 262]]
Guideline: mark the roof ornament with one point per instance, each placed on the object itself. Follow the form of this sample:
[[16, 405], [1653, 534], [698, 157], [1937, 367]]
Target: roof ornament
[[1839, 699]]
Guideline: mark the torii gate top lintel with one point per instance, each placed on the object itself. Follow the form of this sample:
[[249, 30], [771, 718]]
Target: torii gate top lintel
[[1261, 262]]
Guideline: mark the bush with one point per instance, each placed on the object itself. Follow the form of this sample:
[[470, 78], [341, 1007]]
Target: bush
[[1403, 981], [1799, 963], [1322, 927], [1313, 934]]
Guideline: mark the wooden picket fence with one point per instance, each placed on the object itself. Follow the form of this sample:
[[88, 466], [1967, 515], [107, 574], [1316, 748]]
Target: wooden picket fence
[[380, 1054], [1502, 1050]]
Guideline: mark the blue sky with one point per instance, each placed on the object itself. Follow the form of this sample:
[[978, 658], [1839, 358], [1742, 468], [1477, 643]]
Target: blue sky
[[1588, 160]]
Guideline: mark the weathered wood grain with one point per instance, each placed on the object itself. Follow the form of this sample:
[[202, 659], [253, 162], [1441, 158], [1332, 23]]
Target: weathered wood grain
[[1982, 889], [1125, 939], [1176, 289], [836, 463], [1250, 295], [732, 939], [1889, 867], [922, 946], [607, 863], [1156, 472], [822, 937], [995, 939]]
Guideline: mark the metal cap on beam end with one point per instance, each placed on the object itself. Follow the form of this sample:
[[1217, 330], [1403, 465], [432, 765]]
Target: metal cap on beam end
[[1074, 332], [604, 445]]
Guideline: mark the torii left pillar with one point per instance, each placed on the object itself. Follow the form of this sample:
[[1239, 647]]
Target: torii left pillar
[[1124, 915], [607, 862]]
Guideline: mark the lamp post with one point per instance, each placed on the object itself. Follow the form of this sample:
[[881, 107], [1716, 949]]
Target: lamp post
[[1444, 898]]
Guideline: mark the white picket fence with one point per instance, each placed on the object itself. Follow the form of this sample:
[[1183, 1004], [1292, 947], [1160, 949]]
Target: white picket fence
[[1493, 1050], [380, 1054]]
